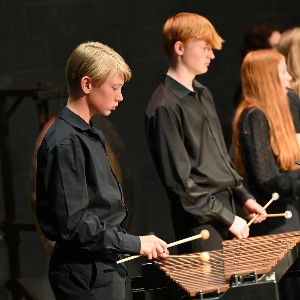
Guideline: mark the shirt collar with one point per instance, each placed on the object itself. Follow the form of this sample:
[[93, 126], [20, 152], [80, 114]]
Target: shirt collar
[[76, 121], [73, 119], [179, 90]]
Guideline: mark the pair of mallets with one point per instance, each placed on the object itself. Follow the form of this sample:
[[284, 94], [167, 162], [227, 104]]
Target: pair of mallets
[[288, 214], [204, 234]]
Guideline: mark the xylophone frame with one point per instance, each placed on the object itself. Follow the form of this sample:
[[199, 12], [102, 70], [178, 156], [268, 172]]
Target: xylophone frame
[[227, 276], [152, 285]]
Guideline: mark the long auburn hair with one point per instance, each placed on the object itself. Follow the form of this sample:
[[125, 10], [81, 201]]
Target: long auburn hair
[[262, 89]]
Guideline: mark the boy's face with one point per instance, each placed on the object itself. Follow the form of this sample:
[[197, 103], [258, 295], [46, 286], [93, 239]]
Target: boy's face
[[104, 99], [196, 56]]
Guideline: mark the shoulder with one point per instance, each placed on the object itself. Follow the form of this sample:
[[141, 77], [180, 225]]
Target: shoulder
[[254, 117], [162, 99], [254, 113], [59, 134], [160, 94]]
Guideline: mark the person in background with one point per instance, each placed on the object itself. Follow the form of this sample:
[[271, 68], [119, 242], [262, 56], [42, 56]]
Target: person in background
[[265, 145], [79, 202], [289, 46], [186, 141], [258, 36]]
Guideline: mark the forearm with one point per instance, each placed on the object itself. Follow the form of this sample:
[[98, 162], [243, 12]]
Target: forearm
[[85, 231], [207, 208]]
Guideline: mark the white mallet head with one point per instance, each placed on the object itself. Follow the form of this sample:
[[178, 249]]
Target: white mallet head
[[288, 214], [204, 234], [204, 256]]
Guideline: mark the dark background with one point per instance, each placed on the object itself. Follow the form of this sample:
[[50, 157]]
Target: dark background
[[36, 38]]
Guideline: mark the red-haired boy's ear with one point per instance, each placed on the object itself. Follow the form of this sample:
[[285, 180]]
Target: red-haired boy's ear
[[179, 48]]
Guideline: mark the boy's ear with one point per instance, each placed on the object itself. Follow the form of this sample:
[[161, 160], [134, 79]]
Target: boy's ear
[[86, 84], [179, 48]]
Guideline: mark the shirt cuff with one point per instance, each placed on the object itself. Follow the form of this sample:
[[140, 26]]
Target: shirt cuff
[[131, 244], [241, 194], [227, 217]]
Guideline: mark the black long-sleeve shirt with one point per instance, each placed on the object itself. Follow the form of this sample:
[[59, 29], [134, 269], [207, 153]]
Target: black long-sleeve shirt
[[79, 201], [264, 175], [261, 166], [188, 148]]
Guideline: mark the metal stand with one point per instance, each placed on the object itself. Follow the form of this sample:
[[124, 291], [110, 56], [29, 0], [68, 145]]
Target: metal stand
[[10, 226]]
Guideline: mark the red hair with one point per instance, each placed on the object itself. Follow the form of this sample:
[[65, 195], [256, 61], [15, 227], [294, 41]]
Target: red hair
[[262, 89], [187, 26]]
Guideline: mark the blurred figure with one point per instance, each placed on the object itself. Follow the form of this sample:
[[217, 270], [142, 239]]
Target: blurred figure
[[259, 36], [265, 145], [289, 46]]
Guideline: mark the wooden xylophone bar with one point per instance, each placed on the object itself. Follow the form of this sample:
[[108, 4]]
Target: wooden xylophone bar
[[257, 254], [260, 255], [195, 276]]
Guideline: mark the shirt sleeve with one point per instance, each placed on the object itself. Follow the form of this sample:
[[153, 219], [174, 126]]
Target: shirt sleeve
[[62, 201], [242, 194], [168, 148], [260, 162]]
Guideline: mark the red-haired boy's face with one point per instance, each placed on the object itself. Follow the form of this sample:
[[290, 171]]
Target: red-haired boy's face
[[197, 56]]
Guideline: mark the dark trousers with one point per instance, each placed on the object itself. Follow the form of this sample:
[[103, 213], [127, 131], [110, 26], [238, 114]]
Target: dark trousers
[[78, 277]]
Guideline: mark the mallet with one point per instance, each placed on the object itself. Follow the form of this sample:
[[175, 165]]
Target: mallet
[[204, 234], [288, 214], [275, 197]]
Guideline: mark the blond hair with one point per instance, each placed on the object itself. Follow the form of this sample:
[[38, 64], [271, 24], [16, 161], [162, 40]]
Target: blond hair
[[97, 61], [289, 46], [188, 26], [262, 89]]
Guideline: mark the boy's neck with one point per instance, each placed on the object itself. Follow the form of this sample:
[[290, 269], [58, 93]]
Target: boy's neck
[[184, 78], [80, 108]]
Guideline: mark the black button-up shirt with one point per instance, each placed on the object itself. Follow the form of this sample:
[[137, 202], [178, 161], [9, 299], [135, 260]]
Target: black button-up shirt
[[79, 200], [187, 144]]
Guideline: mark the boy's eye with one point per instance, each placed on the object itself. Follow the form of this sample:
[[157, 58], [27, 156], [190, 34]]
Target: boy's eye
[[116, 87]]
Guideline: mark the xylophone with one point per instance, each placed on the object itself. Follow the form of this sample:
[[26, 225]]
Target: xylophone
[[244, 269]]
